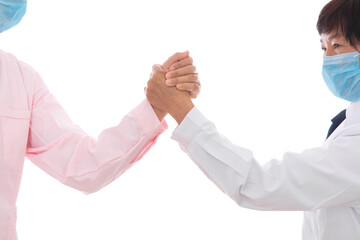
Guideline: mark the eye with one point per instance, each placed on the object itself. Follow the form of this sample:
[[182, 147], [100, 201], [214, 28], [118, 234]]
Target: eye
[[324, 49], [335, 45]]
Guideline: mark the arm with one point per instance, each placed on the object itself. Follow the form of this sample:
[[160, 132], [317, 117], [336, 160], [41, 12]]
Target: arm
[[316, 178], [65, 152], [319, 177]]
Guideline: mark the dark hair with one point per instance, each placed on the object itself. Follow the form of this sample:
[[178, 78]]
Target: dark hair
[[343, 15]]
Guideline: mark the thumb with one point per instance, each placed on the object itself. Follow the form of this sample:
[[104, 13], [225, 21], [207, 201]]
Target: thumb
[[157, 68]]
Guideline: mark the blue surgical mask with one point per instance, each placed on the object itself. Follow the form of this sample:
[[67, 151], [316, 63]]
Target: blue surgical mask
[[342, 75], [11, 13]]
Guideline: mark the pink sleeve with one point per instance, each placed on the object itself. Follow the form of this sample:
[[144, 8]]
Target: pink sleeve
[[67, 153]]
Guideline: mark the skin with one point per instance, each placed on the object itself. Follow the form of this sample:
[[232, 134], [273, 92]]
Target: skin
[[180, 72], [169, 99], [334, 43]]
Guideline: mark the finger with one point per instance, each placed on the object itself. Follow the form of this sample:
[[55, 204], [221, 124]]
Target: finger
[[185, 62], [191, 87], [191, 78], [191, 69], [157, 68], [193, 95], [174, 58]]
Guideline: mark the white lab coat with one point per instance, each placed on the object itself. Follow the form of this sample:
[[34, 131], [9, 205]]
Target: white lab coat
[[324, 182]]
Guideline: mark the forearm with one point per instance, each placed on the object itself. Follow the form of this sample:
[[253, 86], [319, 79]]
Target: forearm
[[180, 110], [159, 113], [287, 184], [88, 164], [225, 166]]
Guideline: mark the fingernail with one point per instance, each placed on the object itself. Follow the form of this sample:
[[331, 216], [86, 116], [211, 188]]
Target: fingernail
[[172, 68], [179, 86]]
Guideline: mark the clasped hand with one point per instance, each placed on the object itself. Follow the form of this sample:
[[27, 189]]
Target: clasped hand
[[172, 85]]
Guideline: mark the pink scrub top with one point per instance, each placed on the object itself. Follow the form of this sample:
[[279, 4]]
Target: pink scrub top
[[33, 124]]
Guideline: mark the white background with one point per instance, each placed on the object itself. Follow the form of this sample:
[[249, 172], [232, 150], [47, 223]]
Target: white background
[[260, 67]]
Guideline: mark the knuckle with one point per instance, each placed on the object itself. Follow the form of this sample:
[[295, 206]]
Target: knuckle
[[176, 65], [193, 95], [199, 88], [191, 60], [154, 68], [193, 87]]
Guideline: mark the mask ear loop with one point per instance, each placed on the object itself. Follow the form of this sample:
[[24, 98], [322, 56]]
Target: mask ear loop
[[358, 52]]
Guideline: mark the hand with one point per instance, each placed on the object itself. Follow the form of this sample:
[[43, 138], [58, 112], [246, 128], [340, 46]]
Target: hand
[[167, 99], [182, 73]]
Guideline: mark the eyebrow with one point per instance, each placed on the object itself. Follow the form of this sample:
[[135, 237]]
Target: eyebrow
[[336, 35]]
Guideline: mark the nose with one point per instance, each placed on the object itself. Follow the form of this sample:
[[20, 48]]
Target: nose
[[329, 53]]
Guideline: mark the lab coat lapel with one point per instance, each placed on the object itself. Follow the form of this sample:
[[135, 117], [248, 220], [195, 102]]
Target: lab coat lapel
[[336, 121]]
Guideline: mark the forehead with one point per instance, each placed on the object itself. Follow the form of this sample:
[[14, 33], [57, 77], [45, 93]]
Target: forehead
[[328, 37]]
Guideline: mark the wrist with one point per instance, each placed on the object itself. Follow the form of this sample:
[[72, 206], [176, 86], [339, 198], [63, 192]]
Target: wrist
[[179, 112], [159, 113]]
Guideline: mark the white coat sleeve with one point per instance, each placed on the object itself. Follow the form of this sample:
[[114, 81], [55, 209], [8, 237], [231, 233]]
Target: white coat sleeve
[[320, 177]]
